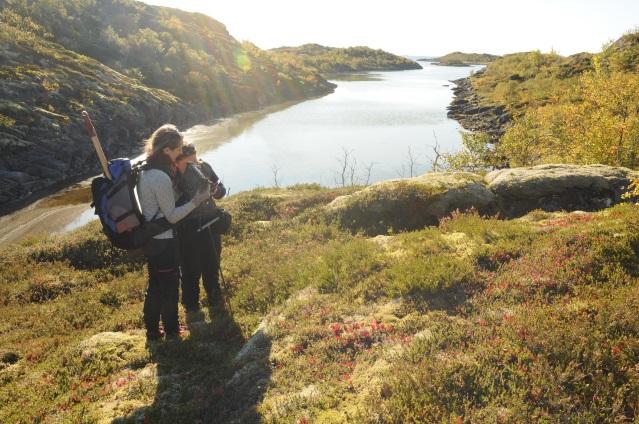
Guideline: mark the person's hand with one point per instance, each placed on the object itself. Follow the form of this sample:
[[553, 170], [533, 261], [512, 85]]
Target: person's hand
[[201, 196], [218, 191]]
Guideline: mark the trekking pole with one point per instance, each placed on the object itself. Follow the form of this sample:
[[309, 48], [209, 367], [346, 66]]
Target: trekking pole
[[96, 144], [223, 283]]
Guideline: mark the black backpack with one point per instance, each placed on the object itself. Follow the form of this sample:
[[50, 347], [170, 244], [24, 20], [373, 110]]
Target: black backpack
[[116, 205]]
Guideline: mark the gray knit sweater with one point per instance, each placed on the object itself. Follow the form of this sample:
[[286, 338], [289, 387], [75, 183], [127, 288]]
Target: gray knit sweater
[[157, 199]]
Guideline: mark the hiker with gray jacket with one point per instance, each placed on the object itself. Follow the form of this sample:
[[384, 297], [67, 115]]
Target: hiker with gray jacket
[[156, 192]]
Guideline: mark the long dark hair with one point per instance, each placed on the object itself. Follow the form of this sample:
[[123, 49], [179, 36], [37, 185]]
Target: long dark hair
[[165, 136]]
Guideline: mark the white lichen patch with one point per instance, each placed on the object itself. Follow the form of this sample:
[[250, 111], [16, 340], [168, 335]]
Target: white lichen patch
[[460, 243], [390, 245], [130, 392]]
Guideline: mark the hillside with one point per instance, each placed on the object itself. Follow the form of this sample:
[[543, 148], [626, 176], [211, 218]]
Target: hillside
[[44, 88], [329, 60], [133, 67], [523, 80], [488, 100], [473, 320], [462, 59], [538, 107], [188, 54]]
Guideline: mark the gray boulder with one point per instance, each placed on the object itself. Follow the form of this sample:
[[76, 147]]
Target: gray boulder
[[558, 187], [411, 203]]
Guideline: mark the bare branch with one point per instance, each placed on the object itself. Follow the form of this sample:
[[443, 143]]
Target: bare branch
[[401, 172], [368, 169], [275, 170], [412, 162], [345, 167], [351, 171], [436, 149]]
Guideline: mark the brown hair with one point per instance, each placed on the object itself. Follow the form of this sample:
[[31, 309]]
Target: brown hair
[[165, 136], [188, 149]]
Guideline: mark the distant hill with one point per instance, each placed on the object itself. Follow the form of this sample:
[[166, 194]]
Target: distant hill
[[459, 58], [352, 59], [133, 67]]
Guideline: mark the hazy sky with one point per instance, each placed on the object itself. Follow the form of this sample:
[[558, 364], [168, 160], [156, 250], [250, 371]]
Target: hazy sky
[[413, 27]]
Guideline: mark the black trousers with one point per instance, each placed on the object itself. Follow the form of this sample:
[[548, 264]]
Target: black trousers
[[161, 300], [200, 257]]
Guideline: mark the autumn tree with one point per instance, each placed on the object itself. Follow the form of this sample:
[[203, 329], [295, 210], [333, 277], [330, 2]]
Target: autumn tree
[[601, 126]]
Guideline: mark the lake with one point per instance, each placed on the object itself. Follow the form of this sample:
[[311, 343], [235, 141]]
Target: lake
[[376, 126], [373, 121]]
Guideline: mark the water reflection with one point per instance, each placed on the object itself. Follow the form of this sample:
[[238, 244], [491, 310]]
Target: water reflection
[[377, 121], [84, 218]]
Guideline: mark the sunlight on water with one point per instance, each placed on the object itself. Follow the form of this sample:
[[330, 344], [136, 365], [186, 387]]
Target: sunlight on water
[[376, 121], [85, 217]]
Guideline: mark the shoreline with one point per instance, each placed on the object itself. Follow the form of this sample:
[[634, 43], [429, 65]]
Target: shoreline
[[468, 109], [53, 209], [232, 122]]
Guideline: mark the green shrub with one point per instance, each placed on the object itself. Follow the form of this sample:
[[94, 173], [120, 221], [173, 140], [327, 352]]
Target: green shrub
[[345, 266], [428, 276]]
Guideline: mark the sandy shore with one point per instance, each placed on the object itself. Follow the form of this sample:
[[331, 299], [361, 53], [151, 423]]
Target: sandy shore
[[38, 220]]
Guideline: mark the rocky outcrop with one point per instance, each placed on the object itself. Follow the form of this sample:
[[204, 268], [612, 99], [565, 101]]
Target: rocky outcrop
[[412, 203], [409, 204], [558, 187], [468, 110], [43, 90], [42, 138]]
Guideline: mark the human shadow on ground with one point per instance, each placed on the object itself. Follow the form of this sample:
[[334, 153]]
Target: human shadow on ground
[[210, 376]]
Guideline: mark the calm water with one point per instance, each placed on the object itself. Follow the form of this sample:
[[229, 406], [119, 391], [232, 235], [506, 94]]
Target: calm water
[[376, 121]]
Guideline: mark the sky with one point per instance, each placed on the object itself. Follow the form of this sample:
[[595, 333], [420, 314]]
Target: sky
[[414, 27]]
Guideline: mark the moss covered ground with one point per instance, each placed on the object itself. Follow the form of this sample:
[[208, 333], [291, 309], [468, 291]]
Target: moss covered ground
[[474, 320]]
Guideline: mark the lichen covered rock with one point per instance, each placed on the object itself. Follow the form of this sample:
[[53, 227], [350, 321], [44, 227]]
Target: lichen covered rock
[[558, 187], [411, 203]]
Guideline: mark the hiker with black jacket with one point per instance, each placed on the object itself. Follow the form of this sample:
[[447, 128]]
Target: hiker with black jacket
[[156, 192], [201, 250]]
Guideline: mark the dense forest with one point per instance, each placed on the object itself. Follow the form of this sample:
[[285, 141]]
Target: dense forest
[[335, 60], [578, 109]]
